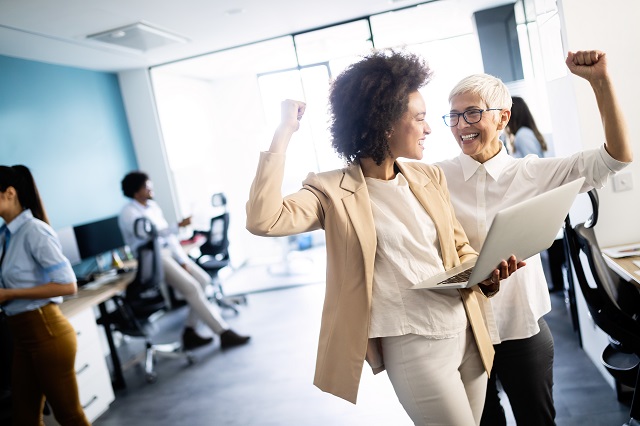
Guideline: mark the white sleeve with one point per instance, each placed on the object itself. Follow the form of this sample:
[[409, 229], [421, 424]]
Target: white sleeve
[[595, 165]]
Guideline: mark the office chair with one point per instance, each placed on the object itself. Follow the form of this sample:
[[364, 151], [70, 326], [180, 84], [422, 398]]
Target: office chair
[[214, 254], [144, 300], [613, 304]]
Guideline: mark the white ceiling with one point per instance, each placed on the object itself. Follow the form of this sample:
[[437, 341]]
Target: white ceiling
[[55, 31]]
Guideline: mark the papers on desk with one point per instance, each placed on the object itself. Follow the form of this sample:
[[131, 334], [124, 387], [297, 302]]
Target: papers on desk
[[100, 281], [622, 251]]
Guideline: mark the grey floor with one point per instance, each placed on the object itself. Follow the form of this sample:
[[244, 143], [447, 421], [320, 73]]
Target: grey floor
[[269, 381]]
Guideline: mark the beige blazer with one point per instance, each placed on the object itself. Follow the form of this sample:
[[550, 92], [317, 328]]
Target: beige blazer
[[338, 202]]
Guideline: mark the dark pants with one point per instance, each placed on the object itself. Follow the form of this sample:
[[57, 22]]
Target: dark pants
[[43, 365], [525, 370], [556, 259]]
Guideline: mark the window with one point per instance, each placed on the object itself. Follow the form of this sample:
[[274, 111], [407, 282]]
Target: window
[[218, 111]]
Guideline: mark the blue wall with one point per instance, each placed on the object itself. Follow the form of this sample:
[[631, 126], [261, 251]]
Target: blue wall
[[69, 127]]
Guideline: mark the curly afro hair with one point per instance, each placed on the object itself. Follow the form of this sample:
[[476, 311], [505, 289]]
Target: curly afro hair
[[368, 98], [133, 182]]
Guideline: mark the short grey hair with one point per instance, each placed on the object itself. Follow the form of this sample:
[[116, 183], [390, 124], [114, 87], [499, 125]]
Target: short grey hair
[[490, 89]]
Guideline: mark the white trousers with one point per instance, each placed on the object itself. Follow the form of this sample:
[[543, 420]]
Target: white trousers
[[438, 381], [191, 284]]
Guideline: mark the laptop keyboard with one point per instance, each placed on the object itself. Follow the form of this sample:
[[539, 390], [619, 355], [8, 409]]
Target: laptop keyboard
[[462, 277]]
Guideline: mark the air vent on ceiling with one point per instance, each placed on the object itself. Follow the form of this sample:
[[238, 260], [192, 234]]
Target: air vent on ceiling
[[138, 36]]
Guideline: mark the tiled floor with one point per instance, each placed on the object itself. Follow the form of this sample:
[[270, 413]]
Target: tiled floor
[[269, 381]]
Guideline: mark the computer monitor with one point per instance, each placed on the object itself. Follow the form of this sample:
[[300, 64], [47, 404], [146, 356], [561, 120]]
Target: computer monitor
[[99, 237], [67, 238]]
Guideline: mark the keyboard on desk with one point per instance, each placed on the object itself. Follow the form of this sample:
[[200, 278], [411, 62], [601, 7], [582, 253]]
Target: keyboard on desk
[[99, 282]]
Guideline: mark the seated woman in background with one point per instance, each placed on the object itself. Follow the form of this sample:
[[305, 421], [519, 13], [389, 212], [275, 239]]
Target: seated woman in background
[[34, 274], [524, 138]]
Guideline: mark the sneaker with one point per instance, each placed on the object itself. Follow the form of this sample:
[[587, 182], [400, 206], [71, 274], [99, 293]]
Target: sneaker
[[191, 339], [230, 338]]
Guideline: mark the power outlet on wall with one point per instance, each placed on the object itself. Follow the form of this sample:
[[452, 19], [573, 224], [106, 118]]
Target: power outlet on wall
[[623, 182]]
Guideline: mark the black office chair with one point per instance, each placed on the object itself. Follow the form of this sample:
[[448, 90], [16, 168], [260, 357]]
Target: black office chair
[[214, 254], [613, 304], [144, 300]]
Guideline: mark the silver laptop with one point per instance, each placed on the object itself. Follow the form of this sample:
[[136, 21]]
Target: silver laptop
[[524, 229]]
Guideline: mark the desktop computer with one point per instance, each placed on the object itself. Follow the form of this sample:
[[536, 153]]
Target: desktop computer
[[93, 248]]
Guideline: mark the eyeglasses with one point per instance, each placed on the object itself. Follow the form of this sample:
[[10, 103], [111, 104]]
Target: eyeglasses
[[471, 116]]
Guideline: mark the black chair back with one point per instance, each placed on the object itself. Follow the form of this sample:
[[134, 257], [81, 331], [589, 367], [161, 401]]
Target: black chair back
[[144, 294], [609, 301], [614, 306], [217, 244], [135, 311]]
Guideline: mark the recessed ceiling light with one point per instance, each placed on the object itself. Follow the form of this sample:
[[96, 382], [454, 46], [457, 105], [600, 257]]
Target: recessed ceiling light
[[138, 36], [236, 11]]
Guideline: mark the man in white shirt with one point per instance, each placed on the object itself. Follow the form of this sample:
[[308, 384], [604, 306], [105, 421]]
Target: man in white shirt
[[181, 273]]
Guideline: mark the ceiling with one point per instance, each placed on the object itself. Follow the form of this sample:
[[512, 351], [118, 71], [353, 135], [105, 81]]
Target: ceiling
[[56, 31]]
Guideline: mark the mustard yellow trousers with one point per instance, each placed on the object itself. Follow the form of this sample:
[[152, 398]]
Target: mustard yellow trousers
[[44, 354]]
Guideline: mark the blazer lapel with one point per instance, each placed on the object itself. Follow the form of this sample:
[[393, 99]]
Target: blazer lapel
[[426, 193], [358, 207]]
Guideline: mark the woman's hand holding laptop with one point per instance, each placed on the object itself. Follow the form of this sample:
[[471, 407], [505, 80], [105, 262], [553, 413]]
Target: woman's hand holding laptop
[[491, 285]]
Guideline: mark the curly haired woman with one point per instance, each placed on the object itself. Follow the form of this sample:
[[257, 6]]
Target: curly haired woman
[[388, 226]]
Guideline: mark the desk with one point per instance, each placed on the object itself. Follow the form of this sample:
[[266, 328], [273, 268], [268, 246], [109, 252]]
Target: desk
[[196, 242], [88, 298], [624, 267]]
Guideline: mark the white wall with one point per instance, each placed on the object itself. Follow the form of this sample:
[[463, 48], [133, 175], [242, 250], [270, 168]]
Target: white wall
[[612, 27]]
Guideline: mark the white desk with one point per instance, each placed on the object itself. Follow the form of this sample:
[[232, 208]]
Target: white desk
[[92, 374], [85, 300]]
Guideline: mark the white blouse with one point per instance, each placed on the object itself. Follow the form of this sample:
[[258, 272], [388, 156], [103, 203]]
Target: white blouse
[[408, 252], [478, 191]]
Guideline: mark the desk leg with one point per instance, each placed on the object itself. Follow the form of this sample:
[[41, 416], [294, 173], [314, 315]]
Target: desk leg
[[118, 377]]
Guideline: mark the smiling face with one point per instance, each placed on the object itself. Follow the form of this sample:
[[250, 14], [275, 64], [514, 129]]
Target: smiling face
[[479, 140], [409, 132]]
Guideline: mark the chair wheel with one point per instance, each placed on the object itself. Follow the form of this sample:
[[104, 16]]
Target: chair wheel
[[191, 359], [151, 377]]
